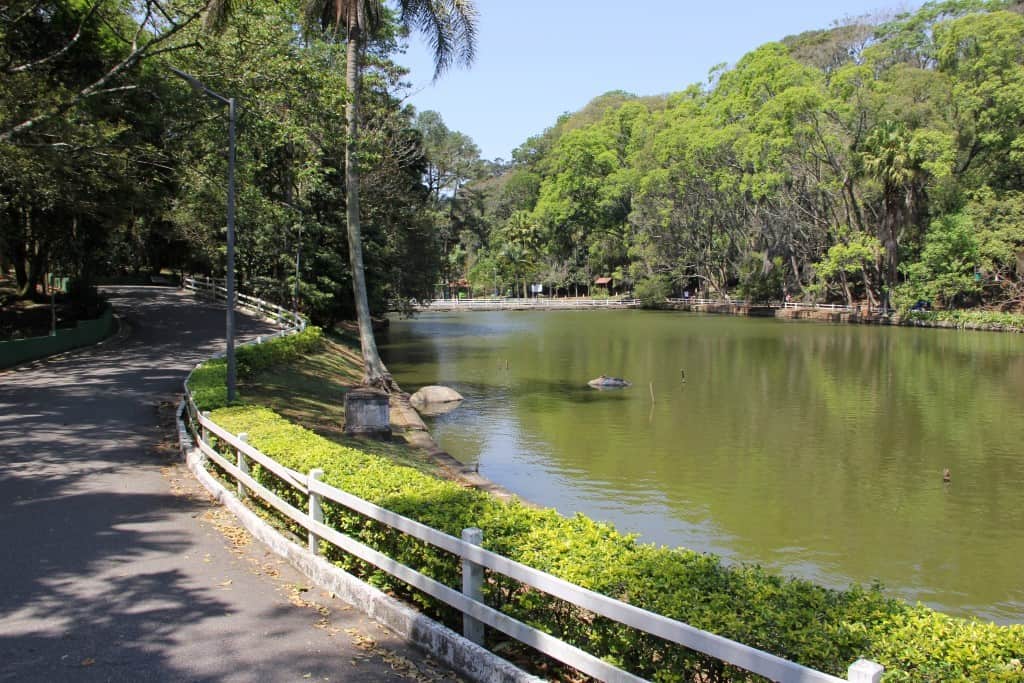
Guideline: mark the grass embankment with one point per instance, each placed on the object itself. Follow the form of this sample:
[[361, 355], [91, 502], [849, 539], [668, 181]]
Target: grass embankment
[[818, 627], [304, 378]]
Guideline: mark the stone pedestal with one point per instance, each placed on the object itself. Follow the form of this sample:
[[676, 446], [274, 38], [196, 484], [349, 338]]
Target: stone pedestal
[[367, 413]]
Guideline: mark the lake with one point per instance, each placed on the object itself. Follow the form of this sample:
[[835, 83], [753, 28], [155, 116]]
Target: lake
[[812, 449]]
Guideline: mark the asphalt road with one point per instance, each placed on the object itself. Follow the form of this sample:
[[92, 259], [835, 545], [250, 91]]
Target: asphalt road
[[116, 565]]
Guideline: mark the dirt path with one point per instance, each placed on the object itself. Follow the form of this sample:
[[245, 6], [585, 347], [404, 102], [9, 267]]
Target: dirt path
[[117, 566]]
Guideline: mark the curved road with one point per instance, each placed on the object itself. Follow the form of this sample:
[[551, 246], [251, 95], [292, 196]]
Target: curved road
[[116, 566]]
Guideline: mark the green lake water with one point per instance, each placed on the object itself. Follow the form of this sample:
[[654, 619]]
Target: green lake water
[[815, 450]]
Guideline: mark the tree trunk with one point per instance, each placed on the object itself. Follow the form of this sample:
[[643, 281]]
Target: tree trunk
[[868, 289], [375, 374], [889, 242], [846, 287], [20, 256]]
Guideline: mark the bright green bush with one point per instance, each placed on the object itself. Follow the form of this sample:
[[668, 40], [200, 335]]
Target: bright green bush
[[1009, 321], [208, 382], [653, 291], [821, 628]]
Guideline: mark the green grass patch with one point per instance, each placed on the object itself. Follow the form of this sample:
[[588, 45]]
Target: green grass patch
[[309, 390], [303, 377]]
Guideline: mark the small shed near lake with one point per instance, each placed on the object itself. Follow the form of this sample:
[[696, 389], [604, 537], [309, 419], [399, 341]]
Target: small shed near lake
[[605, 283]]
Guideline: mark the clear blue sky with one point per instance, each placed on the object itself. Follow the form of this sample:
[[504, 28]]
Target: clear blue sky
[[538, 59]]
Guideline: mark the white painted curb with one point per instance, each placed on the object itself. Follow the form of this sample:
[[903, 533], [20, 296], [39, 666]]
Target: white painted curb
[[461, 655]]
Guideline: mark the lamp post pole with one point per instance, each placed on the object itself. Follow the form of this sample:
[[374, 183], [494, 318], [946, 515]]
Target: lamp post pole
[[229, 283], [229, 280]]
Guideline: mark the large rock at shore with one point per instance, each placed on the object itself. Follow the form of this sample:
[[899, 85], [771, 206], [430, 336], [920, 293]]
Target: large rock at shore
[[434, 394]]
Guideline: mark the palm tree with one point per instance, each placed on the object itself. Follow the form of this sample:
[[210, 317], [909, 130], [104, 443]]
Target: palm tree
[[890, 158], [449, 27]]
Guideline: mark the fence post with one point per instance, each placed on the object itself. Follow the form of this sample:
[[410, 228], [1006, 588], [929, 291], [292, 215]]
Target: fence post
[[472, 587], [316, 509], [865, 671], [204, 433], [243, 464]]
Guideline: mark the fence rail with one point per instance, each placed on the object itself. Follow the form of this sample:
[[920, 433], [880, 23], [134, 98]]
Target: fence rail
[[539, 303], [823, 307], [497, 304], [241, 455], [771, 304], [216, 289], [698, 301]]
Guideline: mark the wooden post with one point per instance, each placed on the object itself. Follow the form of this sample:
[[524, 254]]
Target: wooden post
[[472, 587], [865, 671], [316, 509], [204, 433], [243, 464]]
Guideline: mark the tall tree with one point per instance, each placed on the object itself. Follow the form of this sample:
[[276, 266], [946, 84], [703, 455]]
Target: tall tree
[[449, 27]]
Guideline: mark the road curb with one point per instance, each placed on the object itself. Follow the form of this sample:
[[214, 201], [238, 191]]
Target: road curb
[[448, 647]]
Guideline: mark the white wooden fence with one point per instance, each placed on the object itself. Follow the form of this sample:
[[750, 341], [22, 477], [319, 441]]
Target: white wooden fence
[[772, 304], [240, 456], [289, 321], [539, 303], [822, 307], [698, 301]]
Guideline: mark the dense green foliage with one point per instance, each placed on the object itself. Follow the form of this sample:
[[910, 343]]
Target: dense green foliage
[[795, 619], [968, 319], [132, 177], [80, 161], [208, 382], [872, 160], [875, 161]]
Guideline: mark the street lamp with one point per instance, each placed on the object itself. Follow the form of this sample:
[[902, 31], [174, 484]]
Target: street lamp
[[229, 284]]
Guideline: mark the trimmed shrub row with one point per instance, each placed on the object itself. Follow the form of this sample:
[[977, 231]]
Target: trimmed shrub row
[[208, 382]]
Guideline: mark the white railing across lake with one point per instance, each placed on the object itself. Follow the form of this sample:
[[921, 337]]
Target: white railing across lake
[[823, 307], [698, 301], [540, 303], [237, 463]]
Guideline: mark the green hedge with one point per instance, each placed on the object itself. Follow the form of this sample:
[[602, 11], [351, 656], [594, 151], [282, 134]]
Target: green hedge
[[993, 319], [821, 628], [209, 381]]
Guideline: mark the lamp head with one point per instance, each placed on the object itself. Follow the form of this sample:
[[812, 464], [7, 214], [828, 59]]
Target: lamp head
[[192, 81]]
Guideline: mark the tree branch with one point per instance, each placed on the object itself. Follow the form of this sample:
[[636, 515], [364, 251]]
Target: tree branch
[[99, 86], [60, 52]]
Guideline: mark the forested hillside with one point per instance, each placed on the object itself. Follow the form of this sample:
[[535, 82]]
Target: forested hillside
[[876, 160]]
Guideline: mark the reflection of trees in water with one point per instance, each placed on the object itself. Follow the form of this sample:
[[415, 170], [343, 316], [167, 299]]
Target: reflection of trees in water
[[815, 449], [830, 439]]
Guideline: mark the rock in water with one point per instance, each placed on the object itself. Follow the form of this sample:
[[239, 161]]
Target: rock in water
[[603, 382], [434, 394]]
